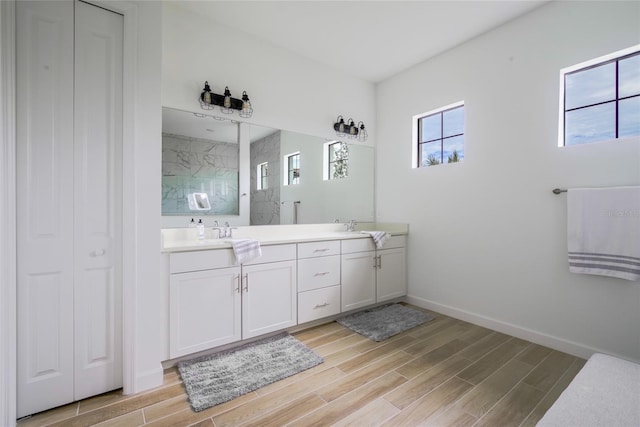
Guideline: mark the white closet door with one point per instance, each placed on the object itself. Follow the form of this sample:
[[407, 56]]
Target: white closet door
[[69, 202], [45, 204], [98, 195]]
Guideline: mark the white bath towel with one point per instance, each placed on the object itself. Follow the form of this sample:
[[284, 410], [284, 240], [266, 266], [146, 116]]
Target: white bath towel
[[246, 250], [603, 231], [379, 237]]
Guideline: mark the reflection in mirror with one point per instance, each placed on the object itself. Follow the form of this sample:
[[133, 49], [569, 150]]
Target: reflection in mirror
[[199, 157], [199, 202], [303, 184], [296, 172]]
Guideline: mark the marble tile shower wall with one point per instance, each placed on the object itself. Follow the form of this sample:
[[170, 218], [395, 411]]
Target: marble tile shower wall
[[265, 204], [199, 165]]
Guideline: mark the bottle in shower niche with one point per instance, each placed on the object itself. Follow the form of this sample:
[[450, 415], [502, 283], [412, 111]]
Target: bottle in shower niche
[[200, 228]]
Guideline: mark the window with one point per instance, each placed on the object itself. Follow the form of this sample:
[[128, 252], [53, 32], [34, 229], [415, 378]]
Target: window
[[262, 175], [336, 160], [292, 169], [600, 99], [439, 136]]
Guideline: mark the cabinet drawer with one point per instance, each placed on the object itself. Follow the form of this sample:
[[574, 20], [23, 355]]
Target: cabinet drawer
[[395, 242], [321, 272], [315, 249], [180, 262], [358, 245], [318, 303], [275, 253]]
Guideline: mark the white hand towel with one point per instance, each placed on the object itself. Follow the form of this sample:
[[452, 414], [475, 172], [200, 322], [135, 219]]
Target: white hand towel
[[603, 231], [246, 250], [379, 237]]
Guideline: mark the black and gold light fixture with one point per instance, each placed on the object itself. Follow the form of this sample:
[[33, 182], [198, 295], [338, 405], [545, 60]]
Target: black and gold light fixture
[[349, 129], [227, 103]]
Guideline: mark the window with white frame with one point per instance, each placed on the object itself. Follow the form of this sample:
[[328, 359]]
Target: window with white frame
[[336, 160], [262, 176], [292, 169], [600, 99], [439, 136]]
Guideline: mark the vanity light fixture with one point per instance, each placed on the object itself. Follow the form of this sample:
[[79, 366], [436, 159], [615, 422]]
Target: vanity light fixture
[[362, 132], [247, 110], [349, 129], [208, 100]]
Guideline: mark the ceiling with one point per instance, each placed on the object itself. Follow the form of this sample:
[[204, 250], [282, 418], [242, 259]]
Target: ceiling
[[370, 40], [204, 126]]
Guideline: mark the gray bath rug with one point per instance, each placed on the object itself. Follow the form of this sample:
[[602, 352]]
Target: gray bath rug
[[383, 322], [217, 378]]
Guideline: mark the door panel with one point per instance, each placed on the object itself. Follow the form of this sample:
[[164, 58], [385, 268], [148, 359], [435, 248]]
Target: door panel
[[44, 204], [98, 209], [69, 199], [269, 298], [358, 280]]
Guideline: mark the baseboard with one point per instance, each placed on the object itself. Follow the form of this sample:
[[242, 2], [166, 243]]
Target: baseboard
[[556, 343], [148, 380]]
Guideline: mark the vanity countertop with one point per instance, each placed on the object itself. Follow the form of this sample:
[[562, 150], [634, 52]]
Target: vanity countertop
[[186, 239]]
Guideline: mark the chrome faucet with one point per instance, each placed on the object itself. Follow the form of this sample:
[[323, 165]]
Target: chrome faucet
[[224, 231], [351, 226]]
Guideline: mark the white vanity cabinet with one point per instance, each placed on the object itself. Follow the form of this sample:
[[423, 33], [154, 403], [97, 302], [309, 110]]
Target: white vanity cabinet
[[269, 291], [204, 301], [318, 280], [212, 302], [370, 275]]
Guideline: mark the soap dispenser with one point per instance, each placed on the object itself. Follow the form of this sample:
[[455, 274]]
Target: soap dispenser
[[200, 229]]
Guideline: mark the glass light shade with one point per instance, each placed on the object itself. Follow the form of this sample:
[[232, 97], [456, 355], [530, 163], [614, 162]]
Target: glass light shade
[[362, 133], [206, 98], [352, 130], [247, 108], [226, 106]]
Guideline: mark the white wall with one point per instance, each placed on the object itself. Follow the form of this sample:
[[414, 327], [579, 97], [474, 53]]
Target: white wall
[[487, 237], [287, 91], [142, 162]]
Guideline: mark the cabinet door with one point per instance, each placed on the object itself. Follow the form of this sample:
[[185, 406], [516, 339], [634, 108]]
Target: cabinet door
[[358, 280], [204, 310], [268, 298], [391, 280]]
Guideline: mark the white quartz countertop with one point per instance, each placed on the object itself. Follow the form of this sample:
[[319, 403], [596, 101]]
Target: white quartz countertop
[[186, 239]]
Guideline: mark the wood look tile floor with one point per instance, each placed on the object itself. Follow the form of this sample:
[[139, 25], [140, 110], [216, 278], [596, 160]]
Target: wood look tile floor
[[446, 372]]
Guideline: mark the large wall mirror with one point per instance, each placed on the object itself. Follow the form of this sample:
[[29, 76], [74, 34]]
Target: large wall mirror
[[294, 178]]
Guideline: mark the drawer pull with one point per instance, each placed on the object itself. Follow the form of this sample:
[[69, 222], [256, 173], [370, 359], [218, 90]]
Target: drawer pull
[[321, 274], [321, 250], [236, 279], [321, 305]]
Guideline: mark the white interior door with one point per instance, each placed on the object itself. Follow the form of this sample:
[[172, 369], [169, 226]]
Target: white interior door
[[44, 204], [98, 195], [69, 202]]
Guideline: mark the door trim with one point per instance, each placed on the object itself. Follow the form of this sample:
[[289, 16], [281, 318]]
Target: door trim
[[8, 299], [133, 381]]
